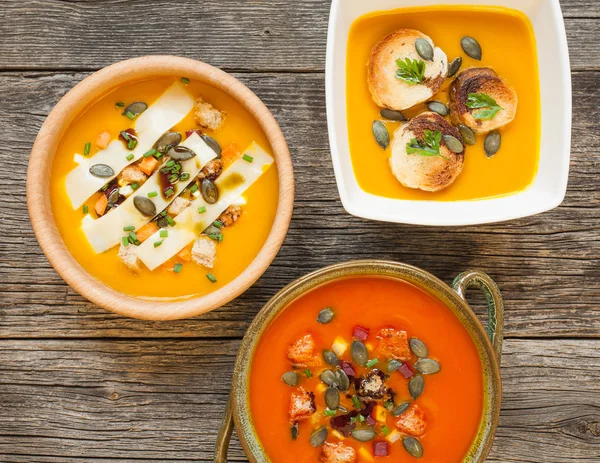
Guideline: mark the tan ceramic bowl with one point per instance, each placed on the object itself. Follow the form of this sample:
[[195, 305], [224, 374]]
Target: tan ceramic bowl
[[488, 343], [42, 157]]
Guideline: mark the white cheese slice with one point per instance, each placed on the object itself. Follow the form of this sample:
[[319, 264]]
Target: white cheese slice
[[168, 110], [107, 231], [232, 183]]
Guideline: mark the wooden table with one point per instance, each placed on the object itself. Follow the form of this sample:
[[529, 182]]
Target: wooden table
[[80, 384]]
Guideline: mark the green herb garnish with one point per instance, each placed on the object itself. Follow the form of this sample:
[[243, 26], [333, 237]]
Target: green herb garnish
[[194, 188], [185, 80], [129, 115], [185, 176], [201, 210], [411, 71], [129, 157], [308, 373], [328, 412], [356, 402], [218, 224], [131, 144], [247, 158], [361, 418], [85, 209], [482, 100], [152, 152], [164, 233], [87, 148], [158, 243], [135, 186], [385, 430], [125, 241], [152, 194], [169, 192], [177, 267], [429, 146], [371, 363], [120, 104], [211, 277], [130, 228]]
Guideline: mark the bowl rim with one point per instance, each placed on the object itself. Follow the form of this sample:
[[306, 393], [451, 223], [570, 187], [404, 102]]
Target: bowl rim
[[492, 382], [41, 160]]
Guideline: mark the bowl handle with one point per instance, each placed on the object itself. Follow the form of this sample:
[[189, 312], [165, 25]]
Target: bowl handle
[[481, 280], [224, 435]]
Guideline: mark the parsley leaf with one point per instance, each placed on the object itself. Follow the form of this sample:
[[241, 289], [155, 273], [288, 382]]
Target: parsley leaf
[[410, 71], [429, 146], [481, 100]]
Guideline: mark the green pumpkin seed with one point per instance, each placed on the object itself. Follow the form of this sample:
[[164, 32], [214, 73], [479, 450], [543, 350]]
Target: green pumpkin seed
[[413, 446], [438, 107], [332, 398], [467, 134], [363, 435], [393, 365], [342, 380], [492, 143], [454, 66], [392, 115], [382, 136], [180, 153], [210, 192], [214, 145], [113, 197], [135, 108], [294, 431], [145, 206], [401, 408], [453, 144], [325, 315], [416, 385], [424, 49], [290, 378], [359, 353], [471, 47], [167, 141], [428, 366], [329, 378], [330, 357], [418, 348], [102, 171], [318, 436]]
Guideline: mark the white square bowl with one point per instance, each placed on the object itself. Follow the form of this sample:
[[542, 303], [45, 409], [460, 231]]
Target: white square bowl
[[549, 187]]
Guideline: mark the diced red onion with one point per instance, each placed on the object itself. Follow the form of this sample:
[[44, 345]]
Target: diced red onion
[[361, 333], [370, 421], [348, 368], [380, 449], [406, 370]]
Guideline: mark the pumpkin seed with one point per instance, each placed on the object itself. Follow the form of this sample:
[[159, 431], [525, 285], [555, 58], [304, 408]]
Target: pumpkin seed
[[492, 143], [145, 206], [325, 315], [424, 49], [318, 436], [454, 66], [329, 378], [427, 366], [467, 134], [214, 145], [136, 108], [180, 153], [453, 144], [113, 197], [102, 171], [393, 365], [290, 378], [363, 435], [392, 115], [416, 385], [342, 380], [359, 353], [167, 141], [210, 192], [332, 398], [471, 47], [294, 431], [400, 409], [330, 357], [438, 107], [382, 136], [413, 446], [212, 230], [418, 347]]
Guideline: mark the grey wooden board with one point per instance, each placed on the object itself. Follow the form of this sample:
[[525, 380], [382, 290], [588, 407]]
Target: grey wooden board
[[80, 384]]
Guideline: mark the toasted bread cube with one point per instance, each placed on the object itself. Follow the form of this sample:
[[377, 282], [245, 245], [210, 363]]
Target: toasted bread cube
[[337, 453], [393, 344], [412, 422], [393, 436], [380, 414], [301, 353], [177, 206], [365, 454], [131, 174], [207, 116], [204, 251], [339, 346], [302, 405], [129, 258]]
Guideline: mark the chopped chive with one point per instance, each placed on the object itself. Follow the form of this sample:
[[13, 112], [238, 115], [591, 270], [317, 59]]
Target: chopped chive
[[308, 373], [133, 236], [171, 221], [129, 240], [328, 412], [185, 80], [194, 188], [105, 187], [218, 224], [125, 135], [169, 192], [170, 163], [152, 194], [85, 209], [216, 237], [177, 267], [371, 363], [173, 178], [158, 243], [201, 210], [129, 115], [132, 144], [164, 233], [152, 152], [185, 176], [158, 155], [361, 418], [120, 104], [129, 157], [129, 228], [247, 158], [211, 277], [389, 404], [135, 186], [125, 241], [385, 430], [356, 402], [87, 148]]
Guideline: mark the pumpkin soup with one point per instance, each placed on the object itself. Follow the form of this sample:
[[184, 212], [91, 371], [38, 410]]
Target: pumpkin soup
[[363, 368], [164, 188], [443, 102]]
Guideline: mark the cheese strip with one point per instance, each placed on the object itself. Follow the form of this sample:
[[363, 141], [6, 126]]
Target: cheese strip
[[232, 183], [168, 110], [107, 231]]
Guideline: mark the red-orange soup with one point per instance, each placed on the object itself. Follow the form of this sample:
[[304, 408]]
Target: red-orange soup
[[452, 400]]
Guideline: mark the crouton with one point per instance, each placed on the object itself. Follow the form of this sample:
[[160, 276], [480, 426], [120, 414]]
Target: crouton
[[301, 353], [393, 344], [302, 405], [230, 216], [131, 174], [207, 116], [431, 172], [128, 257], [103, 139], [337, 453], [211, 170], [391, 92], [177, 206], [204, 251], [482, 81], [373, 387], [412, 422]]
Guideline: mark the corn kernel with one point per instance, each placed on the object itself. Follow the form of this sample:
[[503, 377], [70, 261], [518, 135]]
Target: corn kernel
[[394, 436], [337, 435], [380, 414], [339, 346]]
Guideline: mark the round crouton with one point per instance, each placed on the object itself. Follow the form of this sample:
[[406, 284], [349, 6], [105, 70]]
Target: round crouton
[[428, 173], [391, 92], [485, 83]]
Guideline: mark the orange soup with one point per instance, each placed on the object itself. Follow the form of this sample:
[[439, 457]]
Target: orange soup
[[362, 368], [508, 43], [180, 217]]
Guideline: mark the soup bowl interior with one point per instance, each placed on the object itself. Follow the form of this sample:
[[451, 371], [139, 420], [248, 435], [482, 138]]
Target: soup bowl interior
[[39, 179], [488, 344]]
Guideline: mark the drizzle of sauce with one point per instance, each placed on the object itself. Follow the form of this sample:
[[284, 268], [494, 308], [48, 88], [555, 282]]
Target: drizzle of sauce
[[128, 135]]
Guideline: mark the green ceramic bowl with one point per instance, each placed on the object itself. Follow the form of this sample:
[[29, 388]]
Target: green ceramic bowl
[[488, 343]]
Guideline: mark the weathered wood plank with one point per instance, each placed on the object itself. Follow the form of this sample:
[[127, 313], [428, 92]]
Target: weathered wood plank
[[163, 400], [551, 284], [283, 35]]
